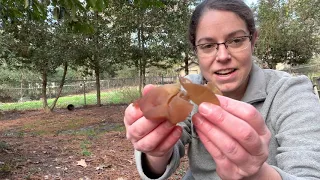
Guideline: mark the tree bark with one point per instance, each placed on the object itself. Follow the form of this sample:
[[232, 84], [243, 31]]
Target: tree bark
[[97, 63], [44, 90], [97, 75], [186, 63], [65, 69]]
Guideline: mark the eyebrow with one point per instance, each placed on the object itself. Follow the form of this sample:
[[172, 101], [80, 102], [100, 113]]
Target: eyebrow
[[209, 39]]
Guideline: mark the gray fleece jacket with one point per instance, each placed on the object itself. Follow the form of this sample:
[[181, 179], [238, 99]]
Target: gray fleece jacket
[[292, 113]]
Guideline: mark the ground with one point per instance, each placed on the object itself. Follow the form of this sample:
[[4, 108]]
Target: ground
[[86, 143]]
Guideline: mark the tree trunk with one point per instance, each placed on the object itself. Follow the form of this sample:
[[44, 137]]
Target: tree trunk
[[144, 58], [144, 73], [65, 69], [140, 77], [44, 91], [186, 63], [97, 74], [97, 62], [140, 45]]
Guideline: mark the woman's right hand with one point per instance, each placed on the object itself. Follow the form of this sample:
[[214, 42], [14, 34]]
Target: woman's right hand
[[154, 138]]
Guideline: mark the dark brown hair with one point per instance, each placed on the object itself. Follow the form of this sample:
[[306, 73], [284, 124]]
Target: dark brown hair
[[236, 6]]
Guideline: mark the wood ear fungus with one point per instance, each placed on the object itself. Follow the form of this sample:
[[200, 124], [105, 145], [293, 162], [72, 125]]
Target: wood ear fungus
[[170, 102]]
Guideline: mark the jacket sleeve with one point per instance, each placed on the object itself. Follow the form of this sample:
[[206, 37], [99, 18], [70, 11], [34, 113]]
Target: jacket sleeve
[[178, 152], [296, 122], [171, 167]]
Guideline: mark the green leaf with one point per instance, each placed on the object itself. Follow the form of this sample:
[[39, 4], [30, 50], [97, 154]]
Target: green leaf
[[91, 3], [79, 5], [81, 27], [106, 2], [99, 5], [54, 2]]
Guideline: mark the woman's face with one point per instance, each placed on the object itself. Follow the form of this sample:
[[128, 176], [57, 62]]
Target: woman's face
[[228, 70]]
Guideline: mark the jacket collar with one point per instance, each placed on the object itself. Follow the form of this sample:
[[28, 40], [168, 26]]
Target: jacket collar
[[256, 90]]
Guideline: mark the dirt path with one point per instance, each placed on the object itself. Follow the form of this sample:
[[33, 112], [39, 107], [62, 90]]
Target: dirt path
[[81, 144]]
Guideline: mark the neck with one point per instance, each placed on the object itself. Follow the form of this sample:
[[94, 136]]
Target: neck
[[238, 93]]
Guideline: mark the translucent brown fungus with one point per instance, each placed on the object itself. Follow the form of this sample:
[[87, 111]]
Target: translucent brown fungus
[[169, 102]]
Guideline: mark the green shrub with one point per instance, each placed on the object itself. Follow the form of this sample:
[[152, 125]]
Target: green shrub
[[129, 94]]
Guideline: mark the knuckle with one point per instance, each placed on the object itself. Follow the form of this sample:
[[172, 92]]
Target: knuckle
[[219, 155], [232, 148], [252, 169], [219, 116], [268, 135], [137, 147], [250, 111], [127, 112], [146, 147], [247, 135], [136, 132]]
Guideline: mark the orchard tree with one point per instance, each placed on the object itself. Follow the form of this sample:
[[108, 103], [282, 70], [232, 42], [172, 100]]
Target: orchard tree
[[158, 34], [285, 36]]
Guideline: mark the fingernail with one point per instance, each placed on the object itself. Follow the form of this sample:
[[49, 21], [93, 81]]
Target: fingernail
[[177, 132], [169, 125], [197, 121], [205, 108]]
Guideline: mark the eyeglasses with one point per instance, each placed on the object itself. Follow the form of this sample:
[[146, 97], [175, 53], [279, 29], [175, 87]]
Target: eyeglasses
[[233, 45]]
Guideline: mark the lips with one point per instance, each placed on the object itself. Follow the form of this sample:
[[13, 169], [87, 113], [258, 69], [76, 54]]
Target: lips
[[225, 71]]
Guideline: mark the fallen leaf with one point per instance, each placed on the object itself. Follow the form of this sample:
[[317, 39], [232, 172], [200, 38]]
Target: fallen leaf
[[82, 163]]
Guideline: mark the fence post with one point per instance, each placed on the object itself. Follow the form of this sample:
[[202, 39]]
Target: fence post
[[162, 79], [21, 86]]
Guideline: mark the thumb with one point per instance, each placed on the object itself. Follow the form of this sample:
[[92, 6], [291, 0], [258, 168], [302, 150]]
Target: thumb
[[147, 88]]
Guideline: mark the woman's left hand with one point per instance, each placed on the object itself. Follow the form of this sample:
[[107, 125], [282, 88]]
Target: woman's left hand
[[236, 136]]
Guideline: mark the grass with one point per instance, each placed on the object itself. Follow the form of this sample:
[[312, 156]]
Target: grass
[[84, 148], [117, 96], [3, 145]]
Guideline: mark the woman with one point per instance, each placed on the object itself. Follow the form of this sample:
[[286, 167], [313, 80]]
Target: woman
[[265, 128]]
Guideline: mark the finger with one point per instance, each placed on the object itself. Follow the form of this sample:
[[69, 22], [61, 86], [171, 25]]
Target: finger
[[132, 114], [147, 88], [211, 148], [227, 170], [245, 112], [226, 144], [168, 142], [224, 166], [233, 126], [143, 126]]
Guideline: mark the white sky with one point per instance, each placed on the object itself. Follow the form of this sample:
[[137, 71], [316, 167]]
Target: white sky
[[249, 2]]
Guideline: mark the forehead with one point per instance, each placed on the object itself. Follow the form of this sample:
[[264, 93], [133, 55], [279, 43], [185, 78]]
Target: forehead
[[218, 24]]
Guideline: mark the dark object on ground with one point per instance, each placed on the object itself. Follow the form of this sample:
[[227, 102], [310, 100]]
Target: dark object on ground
[[70, 107]]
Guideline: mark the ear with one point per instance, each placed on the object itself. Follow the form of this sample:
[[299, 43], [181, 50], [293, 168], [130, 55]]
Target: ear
[[254, 39]]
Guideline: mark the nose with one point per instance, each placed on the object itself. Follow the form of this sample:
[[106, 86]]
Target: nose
[[223, 53]]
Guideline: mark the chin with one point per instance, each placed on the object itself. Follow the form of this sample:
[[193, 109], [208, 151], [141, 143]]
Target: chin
[[228, 88]]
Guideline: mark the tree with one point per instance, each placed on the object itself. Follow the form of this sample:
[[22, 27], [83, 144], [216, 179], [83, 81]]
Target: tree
[[285, 37], [158, 34], [35, 47], [177, 22]]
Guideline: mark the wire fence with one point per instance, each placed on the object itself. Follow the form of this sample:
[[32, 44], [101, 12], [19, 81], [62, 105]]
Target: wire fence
[[31, 91]]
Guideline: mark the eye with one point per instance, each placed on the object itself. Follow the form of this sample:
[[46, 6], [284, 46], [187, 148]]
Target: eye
[[207, 46], [236, 41]]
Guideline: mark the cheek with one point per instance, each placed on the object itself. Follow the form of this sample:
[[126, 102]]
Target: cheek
[[245, 64], [205, 64], [244, 59]]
